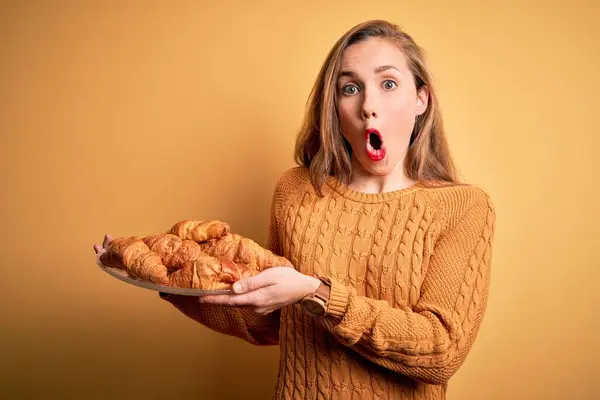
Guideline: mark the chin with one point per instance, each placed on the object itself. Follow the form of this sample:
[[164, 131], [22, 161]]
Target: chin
[[379, 168]]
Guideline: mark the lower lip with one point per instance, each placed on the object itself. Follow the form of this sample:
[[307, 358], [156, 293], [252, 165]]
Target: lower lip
[[376, 155]]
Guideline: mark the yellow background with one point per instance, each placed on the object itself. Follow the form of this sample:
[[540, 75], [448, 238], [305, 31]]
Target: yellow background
[[129, 116]]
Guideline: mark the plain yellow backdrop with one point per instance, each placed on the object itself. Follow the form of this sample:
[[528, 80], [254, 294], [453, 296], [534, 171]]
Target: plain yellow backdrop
[[125, 117]]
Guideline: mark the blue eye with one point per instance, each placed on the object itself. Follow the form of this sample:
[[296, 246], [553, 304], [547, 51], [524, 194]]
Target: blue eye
[[350, 89], [389, 84]]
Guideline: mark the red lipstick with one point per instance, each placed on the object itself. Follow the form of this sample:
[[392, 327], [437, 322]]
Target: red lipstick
[[374, 144]]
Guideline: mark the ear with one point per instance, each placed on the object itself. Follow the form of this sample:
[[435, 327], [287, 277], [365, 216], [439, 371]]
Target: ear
[[422, 99]]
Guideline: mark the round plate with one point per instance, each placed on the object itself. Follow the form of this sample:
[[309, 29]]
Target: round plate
[[124, 276]]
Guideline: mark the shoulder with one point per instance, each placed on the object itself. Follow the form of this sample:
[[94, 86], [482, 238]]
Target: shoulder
[[456, 202], [290, 182], [293, 177]]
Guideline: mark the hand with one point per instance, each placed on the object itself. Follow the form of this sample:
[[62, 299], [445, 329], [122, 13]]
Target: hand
[[98, 248], [268, 291]]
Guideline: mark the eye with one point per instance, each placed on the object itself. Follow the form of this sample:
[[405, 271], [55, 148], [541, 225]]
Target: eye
[[349, 90], [389, 84]]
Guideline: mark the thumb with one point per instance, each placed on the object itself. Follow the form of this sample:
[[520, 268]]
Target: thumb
[[252, 283]]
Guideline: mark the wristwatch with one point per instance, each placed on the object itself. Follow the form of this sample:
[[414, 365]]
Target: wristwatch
[[315, 304]]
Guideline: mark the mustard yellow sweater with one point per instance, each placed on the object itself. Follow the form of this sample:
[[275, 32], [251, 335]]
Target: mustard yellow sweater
[[410, 272]]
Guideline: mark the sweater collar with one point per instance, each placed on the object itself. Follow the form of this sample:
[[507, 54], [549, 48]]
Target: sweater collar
[[363, 197]]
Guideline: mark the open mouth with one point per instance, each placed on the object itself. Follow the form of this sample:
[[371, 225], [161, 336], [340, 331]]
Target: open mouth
[[374, 142]]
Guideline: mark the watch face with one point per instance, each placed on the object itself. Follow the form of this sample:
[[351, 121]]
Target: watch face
[[313, 307]]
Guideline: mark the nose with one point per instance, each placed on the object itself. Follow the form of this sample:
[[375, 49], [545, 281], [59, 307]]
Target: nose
[[368, 106], [368, 113]]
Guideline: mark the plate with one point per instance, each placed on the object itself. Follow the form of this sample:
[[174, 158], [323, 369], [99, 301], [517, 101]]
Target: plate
[[125, 277]]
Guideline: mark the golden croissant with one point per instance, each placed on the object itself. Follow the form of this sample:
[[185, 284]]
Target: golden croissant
[[199, 231], [192, 254], [242, 250], [133, 255]]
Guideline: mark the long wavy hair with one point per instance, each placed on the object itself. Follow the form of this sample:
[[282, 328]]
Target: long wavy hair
[[320, 145]]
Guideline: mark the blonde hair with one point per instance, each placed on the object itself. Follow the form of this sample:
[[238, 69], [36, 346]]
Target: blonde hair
[[320, 145]]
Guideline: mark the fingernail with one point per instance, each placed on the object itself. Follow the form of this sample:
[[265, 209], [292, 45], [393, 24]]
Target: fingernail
[[163, 295], [237, 287]]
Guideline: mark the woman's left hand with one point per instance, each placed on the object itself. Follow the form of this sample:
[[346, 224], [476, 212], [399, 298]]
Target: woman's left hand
[[267, 291]]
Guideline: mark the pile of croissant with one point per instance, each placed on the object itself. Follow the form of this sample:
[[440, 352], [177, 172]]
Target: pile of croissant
[[192, 254]]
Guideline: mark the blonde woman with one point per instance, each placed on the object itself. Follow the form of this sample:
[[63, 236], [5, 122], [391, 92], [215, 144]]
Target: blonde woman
[[391, 253]]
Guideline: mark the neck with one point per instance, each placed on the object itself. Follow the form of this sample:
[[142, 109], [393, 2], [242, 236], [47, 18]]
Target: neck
[[365, 182]]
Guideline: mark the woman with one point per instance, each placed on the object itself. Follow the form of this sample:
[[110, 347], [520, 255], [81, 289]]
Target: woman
[[391, 254]]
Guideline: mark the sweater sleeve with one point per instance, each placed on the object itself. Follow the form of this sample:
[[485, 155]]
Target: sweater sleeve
[[429, 341], [256, 329], [245, 324]]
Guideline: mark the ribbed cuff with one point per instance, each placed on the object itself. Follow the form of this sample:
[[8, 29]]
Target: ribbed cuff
[[338, 301]]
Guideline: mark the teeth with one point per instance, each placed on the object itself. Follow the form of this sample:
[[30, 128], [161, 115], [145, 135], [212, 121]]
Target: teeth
[[372, 149]]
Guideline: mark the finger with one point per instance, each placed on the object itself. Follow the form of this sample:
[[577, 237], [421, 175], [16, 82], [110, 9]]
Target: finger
[[214, 299], [252, 283], [225, 300], [245, 299], [107, 240]]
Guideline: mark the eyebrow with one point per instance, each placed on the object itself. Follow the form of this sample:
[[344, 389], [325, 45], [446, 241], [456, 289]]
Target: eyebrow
[[378, 70]]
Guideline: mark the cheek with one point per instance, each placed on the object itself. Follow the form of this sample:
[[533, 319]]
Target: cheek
[[400, 114], [348, 120]]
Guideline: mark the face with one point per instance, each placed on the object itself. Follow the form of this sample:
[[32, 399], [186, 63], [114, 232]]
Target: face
[[377, 104]]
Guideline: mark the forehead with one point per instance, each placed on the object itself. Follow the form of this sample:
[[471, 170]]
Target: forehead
[[369, 54]]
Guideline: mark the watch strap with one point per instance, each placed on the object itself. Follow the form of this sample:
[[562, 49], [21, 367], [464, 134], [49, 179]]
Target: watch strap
[[324, 291]]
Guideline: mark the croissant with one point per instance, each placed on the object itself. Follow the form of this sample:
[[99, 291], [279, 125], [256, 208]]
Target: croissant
[[199, 231], [168, 260], [210, 273], [243, 250], [133, 255], [167, 246], [192, 254]]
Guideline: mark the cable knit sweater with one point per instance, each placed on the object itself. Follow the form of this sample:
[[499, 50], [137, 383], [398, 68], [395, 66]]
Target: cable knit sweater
[[410, 272]]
